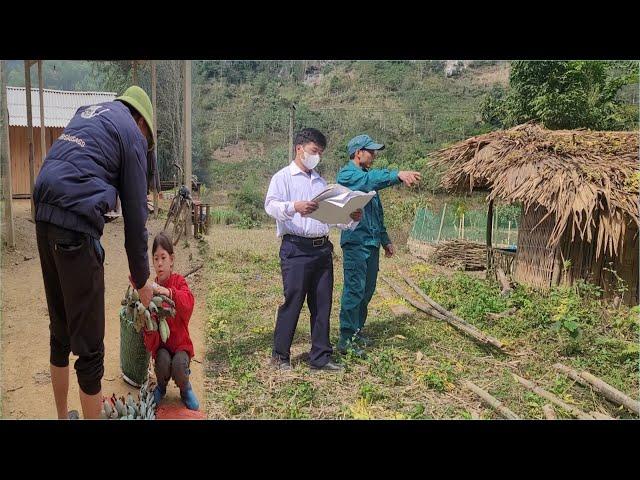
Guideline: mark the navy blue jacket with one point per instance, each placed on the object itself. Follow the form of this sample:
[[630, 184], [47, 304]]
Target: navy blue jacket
[[101, 153]]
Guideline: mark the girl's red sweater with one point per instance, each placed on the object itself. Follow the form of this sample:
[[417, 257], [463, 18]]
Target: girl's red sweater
[[179, 338]]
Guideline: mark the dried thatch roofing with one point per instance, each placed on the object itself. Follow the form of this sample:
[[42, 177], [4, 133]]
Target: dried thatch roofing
[[585, 178]]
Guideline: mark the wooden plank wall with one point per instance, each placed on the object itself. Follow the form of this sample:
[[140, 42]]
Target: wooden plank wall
[[19, 145]]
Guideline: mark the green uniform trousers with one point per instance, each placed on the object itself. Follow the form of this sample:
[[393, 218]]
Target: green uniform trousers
[[361, 265]]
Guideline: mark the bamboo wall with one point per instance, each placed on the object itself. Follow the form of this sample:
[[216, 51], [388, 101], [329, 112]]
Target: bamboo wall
[[600, 271], [575, 259], [534, 262]]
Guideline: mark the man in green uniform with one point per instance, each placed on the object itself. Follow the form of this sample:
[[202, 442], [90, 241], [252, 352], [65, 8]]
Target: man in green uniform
[[361, 246]]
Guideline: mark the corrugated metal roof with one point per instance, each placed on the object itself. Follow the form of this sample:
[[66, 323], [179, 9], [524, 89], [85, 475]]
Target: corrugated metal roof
[[59, 105]]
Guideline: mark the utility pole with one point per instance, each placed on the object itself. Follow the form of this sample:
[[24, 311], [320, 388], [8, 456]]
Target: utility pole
[[187, 135], [155, 134], [292, 121]]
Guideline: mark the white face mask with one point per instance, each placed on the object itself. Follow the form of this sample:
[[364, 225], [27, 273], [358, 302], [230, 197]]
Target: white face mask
[[310, 161]]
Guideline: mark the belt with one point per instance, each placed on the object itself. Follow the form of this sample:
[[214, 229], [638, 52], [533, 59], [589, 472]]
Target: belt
[[310, 242]]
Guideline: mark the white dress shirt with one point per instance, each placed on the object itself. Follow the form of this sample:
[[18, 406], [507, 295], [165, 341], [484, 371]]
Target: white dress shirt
[[291, 185]]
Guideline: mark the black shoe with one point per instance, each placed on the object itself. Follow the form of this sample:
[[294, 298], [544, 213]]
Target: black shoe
[[330, 366], [280, 364]]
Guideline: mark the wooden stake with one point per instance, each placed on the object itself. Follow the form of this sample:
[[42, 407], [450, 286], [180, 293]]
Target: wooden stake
[[606, 390], [576, 412], [5, 157], [494, 226], [492, 401], [489, 238], [444, 209], [32, 175], [43, 143]]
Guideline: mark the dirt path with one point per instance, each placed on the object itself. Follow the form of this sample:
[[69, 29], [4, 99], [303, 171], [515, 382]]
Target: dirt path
[[26, 382]]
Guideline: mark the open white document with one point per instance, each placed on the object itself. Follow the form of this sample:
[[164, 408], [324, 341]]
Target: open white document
[[336, 203]]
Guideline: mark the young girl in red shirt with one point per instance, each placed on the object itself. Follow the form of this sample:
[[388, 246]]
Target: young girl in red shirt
[[172, 358]]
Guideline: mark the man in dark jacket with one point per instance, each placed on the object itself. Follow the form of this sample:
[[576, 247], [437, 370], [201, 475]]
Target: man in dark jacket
[[103, 153]]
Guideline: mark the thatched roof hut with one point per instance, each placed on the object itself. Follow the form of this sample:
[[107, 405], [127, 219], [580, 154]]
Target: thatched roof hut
[[578, 190]]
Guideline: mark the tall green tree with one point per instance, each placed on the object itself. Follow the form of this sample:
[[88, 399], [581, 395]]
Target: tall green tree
[[565, 94]]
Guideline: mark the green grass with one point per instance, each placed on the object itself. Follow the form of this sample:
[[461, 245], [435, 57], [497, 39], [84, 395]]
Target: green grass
[[417, 364]]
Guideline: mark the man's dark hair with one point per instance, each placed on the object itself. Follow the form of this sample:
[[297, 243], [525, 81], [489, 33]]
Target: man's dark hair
[[308, 135]]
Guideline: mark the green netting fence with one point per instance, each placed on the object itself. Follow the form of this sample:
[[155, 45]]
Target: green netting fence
[[468, 225]]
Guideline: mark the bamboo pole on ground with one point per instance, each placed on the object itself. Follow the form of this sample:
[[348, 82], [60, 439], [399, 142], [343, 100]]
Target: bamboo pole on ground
[[491, 401], [549, 413], [606, 390], [445, 315], [471, 329], [576, 412]]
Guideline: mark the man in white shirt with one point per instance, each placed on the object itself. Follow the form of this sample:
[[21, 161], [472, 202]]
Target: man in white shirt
[[306, 257]]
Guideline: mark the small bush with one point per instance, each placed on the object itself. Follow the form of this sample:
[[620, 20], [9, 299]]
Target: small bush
[[225, 217], [249, 200]]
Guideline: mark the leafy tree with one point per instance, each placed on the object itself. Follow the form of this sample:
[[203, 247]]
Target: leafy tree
[[565, 94], [493, 107]]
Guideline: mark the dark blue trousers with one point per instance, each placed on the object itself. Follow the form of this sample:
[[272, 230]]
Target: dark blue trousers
[[307, 272]]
